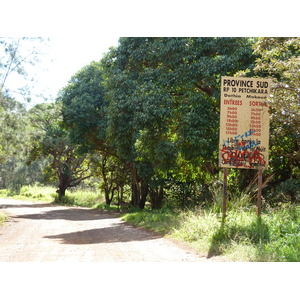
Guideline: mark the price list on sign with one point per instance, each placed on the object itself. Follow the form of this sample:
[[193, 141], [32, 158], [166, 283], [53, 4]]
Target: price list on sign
[[244, 123]]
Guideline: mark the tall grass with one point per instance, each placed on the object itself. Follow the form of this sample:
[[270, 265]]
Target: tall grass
[[241, 237], [85, 198], [162, 221], [34, 193], [37, 193]]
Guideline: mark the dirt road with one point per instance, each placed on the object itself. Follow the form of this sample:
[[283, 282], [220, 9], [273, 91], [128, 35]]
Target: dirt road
[[42, 232]]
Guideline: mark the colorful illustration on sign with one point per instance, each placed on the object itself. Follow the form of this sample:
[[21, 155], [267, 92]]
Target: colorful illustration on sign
[[242, 151]]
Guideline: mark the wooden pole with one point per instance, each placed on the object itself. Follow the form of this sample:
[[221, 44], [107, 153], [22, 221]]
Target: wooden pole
[[224, 207], [259, 192]]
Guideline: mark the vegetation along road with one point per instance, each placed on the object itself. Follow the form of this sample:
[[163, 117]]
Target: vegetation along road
[[38, 232]]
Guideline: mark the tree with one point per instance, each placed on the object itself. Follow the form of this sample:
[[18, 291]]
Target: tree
[[85, 117], [17, 54], [84, 109], [163, 107], [279, 58], [113, 174], [13, 125], [52, 140], [14, 136]]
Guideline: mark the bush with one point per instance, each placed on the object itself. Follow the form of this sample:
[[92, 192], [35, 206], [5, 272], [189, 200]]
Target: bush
[[287, 191]]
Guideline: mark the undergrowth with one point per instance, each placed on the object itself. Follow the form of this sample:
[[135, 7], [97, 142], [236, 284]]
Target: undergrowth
[[80, 197], [33, 193], [241, 237], [162, 221], [48, 194]]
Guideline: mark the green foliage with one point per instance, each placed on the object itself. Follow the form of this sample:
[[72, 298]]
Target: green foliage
[[15, 173], [162, 92], [13, 123], [84, 109], [279, 58], [113, 176], [84, 116], [162, 96], [53, 141], [286, 191]]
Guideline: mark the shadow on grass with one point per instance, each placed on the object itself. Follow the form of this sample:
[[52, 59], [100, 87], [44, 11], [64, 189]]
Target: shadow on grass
[[255, 233]]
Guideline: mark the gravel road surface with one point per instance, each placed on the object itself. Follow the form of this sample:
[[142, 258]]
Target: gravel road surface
[[37, 232]]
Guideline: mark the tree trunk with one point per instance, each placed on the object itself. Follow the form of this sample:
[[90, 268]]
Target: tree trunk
[[135, 193], [64, 183], [61, 193], [107, 199], [144, 193], [156, 196], [120, 195]]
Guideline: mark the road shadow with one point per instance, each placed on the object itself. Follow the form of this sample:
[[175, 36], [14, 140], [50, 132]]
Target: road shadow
[[51, 211], [71, 214], [118, 233], [36, 205]]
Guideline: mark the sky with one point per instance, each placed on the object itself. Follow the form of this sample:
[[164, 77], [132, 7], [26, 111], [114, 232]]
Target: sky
[[64, 56], [71, 53], [81, 31]]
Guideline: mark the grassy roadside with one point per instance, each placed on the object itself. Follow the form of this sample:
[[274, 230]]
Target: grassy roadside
[[242, 237], [31, 193]]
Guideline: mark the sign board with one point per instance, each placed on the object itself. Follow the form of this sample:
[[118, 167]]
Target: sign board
[[244, 123]]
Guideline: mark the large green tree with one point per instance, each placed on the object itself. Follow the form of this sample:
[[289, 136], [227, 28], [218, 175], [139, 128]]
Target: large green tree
[[17, 55], [51, 140], [163, 102], [84, 109], [85, 117]]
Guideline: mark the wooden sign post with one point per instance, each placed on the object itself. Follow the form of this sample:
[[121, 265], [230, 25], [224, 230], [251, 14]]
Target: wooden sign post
[[224, 206], [259, 191], [244, 126]]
